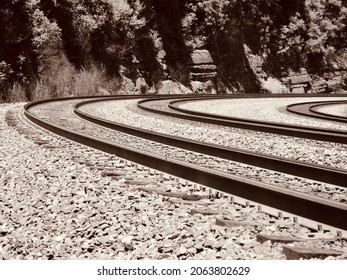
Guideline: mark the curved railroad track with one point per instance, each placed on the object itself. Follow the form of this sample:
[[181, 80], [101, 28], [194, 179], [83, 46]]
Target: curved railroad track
[[263, 126], [312, 109], [180, 159], [325, 174]]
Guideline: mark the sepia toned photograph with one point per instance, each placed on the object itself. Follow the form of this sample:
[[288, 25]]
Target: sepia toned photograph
[[173, 130]]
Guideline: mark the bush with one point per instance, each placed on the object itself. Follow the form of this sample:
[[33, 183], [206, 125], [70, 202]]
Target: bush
[[17, 94], [66, 81], [273, 85], [92, 81]]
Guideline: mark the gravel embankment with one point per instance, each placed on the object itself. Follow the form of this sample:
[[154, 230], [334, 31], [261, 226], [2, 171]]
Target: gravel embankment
[[267, 109], [52, 207], [306, 150]]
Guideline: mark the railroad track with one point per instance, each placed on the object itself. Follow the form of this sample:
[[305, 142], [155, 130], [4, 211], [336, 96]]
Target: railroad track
[[232, 184], [314, 133], [319, 209], [334, 176], [312, 109]]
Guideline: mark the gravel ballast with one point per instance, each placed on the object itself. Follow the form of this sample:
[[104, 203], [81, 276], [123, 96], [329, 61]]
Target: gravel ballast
[[306, 150], [264, 109], [46, 213], [60, 113], [54, 207]]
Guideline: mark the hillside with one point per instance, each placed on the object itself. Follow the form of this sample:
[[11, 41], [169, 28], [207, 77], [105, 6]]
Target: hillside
[[71, 47]]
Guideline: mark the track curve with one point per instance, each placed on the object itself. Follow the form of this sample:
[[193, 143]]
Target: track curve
[[316, 110], [336, 110], [313, 171], [315, 133], [311, 109], [319, 209]]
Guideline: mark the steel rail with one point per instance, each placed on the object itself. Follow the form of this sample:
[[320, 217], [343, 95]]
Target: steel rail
[[315, 208], [307, 109], [307, 170], [315, 109], [314, 133]]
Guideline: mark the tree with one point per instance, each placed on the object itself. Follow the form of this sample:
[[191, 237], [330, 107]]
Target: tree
[[17, 56]]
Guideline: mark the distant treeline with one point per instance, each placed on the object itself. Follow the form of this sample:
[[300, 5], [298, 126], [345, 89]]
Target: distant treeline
[[125, 36]]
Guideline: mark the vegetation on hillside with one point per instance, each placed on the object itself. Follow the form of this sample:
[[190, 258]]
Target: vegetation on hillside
[[48, 47]]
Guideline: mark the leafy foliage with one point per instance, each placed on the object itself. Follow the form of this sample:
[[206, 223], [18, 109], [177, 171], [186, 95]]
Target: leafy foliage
[[313, 35], [37, 35], [17, 56], [289, 34]]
